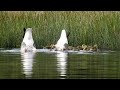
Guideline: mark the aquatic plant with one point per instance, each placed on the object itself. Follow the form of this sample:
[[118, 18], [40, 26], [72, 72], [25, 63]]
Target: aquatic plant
[[86, 27]]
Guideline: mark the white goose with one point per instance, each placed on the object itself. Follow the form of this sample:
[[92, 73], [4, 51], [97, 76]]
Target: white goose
[[27, 44], [62, 43]]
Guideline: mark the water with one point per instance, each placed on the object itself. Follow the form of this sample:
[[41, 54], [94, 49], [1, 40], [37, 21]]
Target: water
[[46, 64]]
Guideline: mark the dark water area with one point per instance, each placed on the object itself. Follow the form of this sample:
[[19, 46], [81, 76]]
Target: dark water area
[[46, 64]]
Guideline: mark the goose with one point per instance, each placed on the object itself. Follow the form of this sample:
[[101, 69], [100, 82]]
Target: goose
[[62, 43], [84, 47], [27, 44]]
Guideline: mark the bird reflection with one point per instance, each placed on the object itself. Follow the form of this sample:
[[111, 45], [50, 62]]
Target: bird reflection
[[27, 61], [62, 64]]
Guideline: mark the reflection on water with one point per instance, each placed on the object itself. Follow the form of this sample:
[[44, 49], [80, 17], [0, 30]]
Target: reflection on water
[[27, 61], [46, 64], [62, 64]]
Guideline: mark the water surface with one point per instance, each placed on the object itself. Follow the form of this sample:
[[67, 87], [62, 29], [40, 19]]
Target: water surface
[[46, 64]]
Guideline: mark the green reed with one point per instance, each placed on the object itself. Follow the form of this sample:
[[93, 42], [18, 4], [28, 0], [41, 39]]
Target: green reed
[[85, 27]]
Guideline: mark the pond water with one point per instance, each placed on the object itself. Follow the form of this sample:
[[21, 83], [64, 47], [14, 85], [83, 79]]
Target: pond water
[[46, 64]]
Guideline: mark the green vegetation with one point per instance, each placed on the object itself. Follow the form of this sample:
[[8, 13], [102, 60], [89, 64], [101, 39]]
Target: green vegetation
[[86, 27]]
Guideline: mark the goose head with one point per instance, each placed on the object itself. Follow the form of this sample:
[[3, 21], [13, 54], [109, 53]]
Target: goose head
[[84, 47]]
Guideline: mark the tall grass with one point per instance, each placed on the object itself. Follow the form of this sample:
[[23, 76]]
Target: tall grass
[[86, 27]]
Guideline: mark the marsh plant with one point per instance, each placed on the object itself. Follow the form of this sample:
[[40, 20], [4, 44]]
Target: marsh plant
[[85, 27]]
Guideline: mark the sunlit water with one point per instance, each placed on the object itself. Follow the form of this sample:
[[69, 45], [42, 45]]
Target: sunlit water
[[46, 64]]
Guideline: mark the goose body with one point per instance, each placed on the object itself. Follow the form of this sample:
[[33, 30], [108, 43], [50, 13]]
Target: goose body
[[62, 43], [27, 44]]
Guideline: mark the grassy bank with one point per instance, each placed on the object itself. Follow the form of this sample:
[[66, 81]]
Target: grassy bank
[[86, 27]]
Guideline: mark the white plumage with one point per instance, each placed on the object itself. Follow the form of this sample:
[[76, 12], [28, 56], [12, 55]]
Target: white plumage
[[62, 43], [27, 44]]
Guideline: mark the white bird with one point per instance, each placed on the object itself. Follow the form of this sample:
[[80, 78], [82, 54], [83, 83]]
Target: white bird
[[27, 44], [62, 43]]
